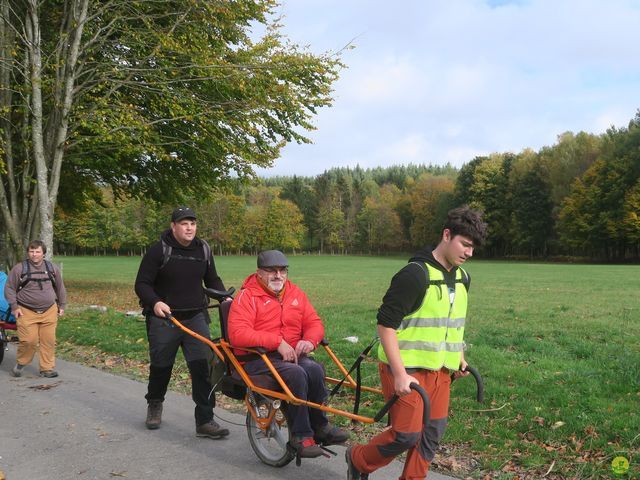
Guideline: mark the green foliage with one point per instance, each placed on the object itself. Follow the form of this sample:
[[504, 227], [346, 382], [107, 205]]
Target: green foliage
[[531, 213], [157, 100], [598, 214], [185, 97], [430, 199], [379, 223], [524, 197]]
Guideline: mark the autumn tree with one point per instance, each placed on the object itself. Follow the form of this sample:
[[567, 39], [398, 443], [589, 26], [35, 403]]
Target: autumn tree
[[596, 215], [157, 99], [531, 213], [380, 226], [431, 198]]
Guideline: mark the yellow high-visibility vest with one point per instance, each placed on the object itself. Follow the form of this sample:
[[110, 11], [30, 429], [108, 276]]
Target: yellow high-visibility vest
[[432, 336]]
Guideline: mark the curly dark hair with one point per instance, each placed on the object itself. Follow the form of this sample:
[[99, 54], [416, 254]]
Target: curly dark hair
[[467, 222]]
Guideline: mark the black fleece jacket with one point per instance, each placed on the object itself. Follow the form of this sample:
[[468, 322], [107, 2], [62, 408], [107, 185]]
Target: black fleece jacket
[[408, 287], [179, 282]]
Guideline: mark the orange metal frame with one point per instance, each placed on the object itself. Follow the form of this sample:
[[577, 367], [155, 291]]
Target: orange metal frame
[[223, 348]]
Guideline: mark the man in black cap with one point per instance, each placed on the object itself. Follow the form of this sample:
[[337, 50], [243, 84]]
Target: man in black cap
[[170, 281], [273, 313]]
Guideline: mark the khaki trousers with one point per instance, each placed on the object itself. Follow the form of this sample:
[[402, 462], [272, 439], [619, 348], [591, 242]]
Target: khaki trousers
[[37, 330]]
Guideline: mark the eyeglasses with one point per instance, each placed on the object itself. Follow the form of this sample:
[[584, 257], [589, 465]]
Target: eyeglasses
[[281, 270]]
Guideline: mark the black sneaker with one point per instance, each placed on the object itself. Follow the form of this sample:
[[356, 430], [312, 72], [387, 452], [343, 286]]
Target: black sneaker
[[16, 371], [154, 414], [352, 471], [48, 373], [330, 435], [211, 430]]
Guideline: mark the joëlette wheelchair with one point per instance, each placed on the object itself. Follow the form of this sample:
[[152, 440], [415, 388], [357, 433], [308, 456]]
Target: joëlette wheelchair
[[266, 396]]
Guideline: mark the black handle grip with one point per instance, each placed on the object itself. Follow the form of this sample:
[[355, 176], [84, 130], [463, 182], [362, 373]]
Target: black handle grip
[[219, 295], [426, 405], [479, 382]]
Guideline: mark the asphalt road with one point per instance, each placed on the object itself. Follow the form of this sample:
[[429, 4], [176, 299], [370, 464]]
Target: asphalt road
[[87, 424]]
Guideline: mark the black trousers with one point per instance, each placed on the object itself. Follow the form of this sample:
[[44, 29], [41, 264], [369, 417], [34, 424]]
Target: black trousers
[[305, 379], [164, 341]]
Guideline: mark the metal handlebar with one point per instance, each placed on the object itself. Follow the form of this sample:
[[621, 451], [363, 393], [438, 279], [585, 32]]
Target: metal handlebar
[[426, 405], [425, 398], [479, 382], [219, 295]]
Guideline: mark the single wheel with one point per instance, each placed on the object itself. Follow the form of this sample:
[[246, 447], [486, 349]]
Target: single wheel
[[270, 444]]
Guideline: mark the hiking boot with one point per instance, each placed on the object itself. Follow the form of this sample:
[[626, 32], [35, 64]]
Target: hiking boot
[[352, 472], [330, 435], [17, 370], [154, 414], [306, 447], [48, 373], [211, 430]]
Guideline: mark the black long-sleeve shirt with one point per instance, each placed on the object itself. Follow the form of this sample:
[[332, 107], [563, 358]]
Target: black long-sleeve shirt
[[179, 282], [408, 287]]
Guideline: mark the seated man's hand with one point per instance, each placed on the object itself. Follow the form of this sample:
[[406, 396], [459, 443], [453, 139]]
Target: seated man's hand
[[303, 347], [287, 352]]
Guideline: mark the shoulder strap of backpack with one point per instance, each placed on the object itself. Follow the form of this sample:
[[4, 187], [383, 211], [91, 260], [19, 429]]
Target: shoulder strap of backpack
[[26, 268], [24, 275], [207, 251], [166, 254], [466, 280], [51, 273], [426, 274]]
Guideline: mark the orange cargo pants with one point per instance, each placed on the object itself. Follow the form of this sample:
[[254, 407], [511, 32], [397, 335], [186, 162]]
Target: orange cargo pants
[[37, 331], [407, 432]]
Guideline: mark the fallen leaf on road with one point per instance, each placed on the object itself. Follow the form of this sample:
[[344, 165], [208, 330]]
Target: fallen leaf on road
[[45, 386]]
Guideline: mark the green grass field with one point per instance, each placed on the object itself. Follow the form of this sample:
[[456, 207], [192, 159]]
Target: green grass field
[[558, 347]]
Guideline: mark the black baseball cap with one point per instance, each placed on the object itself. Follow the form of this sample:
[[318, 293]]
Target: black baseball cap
[[181, 213], [272, 258]]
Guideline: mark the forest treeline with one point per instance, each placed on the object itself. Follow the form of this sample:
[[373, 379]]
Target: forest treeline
[[579, 198]]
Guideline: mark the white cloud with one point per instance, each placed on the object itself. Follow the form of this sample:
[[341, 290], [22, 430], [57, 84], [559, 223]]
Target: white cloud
[[408, 149], [384, 80], [445, 81]]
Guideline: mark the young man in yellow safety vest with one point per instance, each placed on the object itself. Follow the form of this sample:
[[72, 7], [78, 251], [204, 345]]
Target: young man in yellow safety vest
[[421, 328]]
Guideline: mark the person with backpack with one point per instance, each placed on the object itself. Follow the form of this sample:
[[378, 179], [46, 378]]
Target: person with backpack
[[170, 282], [37, 297], [421, 327]]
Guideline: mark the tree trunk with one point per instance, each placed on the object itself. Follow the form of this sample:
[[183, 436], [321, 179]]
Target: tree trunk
[[48, 161]]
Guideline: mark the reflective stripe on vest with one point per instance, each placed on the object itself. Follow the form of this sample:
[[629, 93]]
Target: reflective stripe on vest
[[432, 336]]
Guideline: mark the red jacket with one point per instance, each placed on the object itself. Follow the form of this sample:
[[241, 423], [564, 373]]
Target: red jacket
[[258, 319]]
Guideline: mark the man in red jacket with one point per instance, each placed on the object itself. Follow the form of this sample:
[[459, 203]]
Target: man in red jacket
[[273, 313]]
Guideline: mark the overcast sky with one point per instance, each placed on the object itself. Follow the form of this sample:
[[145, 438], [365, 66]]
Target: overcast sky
[[437, 81]]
